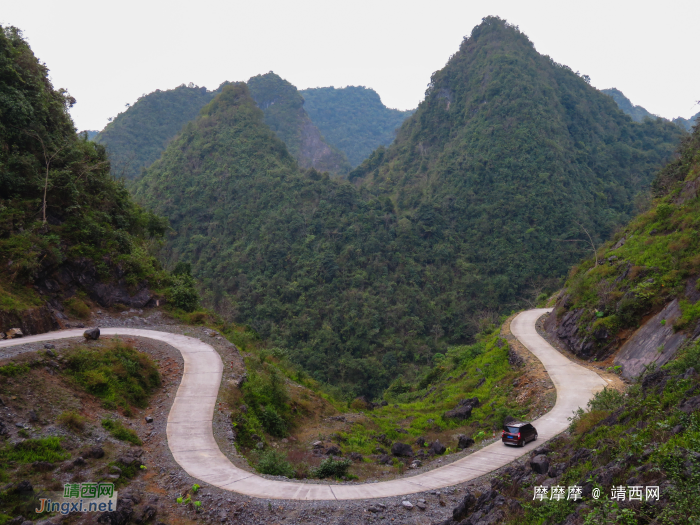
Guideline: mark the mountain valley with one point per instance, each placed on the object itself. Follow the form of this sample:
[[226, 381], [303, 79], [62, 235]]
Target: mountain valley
[[355, 274]]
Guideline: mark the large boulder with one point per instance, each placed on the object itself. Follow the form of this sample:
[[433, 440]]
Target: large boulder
[[464, 442], [14, 333], [540, 464], [92, 334], [437, 448], [463, 410], [401, 449]]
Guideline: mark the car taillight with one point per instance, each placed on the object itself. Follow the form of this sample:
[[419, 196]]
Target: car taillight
[[518, 435], [503, 433]]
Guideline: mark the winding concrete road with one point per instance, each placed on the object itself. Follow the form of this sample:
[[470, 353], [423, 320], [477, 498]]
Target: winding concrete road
[[192, 444]]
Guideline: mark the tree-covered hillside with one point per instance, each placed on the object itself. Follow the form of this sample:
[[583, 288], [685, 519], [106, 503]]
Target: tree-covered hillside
[[307, 260], [137, 136], [66, 225], [353, 119], [284, 112]]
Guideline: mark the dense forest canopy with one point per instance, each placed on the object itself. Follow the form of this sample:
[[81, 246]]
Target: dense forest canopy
[[456, 222], [353, 119]]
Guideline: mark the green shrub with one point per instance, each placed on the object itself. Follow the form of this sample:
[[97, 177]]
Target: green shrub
[[77, 307], [275, 463], [272, 422], [72, 420], [266, 395], [607, 399], [331, 468], [31, 450], [11, 370], [120, 432], [183, 294]]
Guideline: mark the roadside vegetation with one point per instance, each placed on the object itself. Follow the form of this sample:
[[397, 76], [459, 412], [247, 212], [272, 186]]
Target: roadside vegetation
[[652, 261], [646, 436]]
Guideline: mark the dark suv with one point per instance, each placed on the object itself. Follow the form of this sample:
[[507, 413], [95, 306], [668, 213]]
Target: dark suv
[[518, 434]]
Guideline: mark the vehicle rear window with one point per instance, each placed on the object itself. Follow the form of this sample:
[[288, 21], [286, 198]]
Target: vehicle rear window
[[513, 430]]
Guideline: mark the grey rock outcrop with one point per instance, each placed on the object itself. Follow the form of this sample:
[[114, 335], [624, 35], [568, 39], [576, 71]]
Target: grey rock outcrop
[[654, 342], [540, 464], [463, 410]]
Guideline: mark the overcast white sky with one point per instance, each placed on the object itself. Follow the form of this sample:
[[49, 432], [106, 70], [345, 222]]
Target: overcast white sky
[[109, 53]]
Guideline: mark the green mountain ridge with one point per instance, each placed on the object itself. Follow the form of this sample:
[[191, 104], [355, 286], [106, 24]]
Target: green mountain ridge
[[456, 222], [511, 154], [353, 119], [138, 136], [284, 111], [638, 113]]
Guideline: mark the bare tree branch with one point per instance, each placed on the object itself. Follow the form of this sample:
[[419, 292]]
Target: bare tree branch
[[48, 159], [589, 241]]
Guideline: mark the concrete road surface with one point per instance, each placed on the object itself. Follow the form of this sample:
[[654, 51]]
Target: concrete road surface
[[192, 444]]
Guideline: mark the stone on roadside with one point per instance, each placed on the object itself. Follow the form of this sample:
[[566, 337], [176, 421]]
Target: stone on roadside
[[407, 504], [92, 334], [437, 447], [464, 442], [14, 333], [149, 419]]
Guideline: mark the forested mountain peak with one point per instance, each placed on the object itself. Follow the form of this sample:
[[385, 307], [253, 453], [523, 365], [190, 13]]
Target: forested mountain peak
[[509, 155], [638, 113], [138, 135], [282, 105], [353, 119]]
